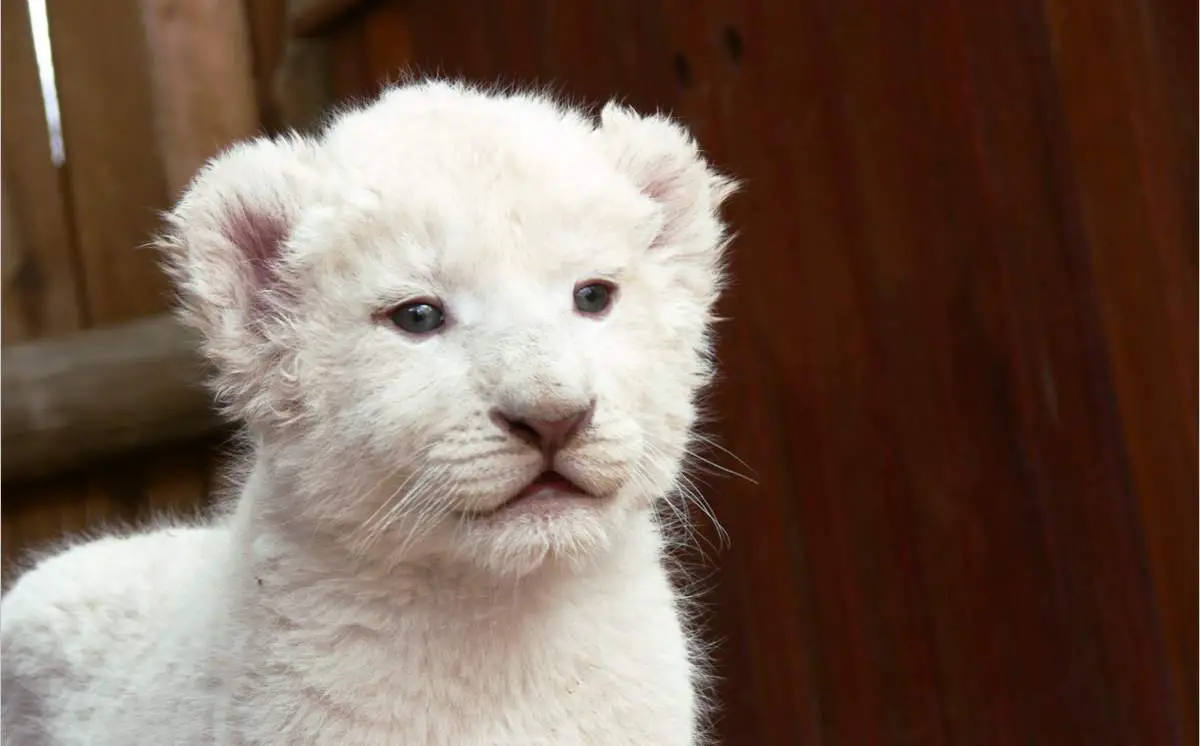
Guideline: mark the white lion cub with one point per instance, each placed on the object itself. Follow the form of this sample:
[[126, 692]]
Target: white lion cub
[[466, 332]]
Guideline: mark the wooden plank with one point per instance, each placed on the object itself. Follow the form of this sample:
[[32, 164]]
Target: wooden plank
[[177, 485], [40, 516], [134, 490], [304, 81], [778, 670], [70, 400], [266, 21], [40, 286], [116, 173], [203, 81], [1136, 209], [308, 18], [515, 47], [304, 84], [386, 41], [203, 71]]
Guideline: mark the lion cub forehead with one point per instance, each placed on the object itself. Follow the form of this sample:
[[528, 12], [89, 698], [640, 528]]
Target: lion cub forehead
[[501, 234], [449, 113], [462, 168], [442, 130]]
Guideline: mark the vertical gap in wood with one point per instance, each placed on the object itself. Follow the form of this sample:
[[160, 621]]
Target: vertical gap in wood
[[117, 180], [39, 285], [64, 176], [62, 172], [45, 65], [75, 250]]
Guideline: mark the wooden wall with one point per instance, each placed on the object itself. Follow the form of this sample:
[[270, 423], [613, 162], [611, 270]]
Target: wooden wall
[[147, 90], [961, 360]]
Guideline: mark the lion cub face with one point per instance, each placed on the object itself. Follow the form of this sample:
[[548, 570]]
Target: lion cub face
[[460, 323]]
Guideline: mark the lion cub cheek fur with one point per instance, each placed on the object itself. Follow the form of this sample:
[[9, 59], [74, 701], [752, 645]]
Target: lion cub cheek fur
[[344, 598]]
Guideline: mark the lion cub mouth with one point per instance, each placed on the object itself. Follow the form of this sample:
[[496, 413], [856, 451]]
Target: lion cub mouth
[[549, 481], [548, 495]]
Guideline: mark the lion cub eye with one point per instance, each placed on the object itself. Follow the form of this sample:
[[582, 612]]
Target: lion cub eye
[[418, 317], [594, 298]]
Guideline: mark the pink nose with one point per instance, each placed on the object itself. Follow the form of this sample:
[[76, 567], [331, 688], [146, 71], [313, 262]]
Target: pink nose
[[548, 435]]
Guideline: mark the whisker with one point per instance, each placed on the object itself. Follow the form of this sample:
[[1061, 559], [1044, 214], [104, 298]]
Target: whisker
[[712, 443], [366, 534], [719, 468], [686, 488], [423, 501], [696, 497]]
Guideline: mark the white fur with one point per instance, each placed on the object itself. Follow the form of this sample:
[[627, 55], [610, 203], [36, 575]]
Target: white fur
[[342, 599]]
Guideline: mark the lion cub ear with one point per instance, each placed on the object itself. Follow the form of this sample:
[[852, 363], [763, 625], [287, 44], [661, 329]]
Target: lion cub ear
[[663, 160], [226, 248]]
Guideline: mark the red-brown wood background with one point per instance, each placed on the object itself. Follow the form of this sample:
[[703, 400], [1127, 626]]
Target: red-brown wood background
[[961, 355], [961, 359]]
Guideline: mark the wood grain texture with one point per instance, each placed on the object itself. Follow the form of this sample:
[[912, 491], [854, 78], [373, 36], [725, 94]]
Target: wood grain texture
[[77, 398], [302, 83], [384, 46], [268, 35], [1136, 214], [961, 361], [202, 74], [113, 153], [166, 85], [41, 291], [317, 17], [135, 490], [62, 509]]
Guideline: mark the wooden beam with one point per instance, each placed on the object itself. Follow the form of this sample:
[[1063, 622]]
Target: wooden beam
[[70, 400]]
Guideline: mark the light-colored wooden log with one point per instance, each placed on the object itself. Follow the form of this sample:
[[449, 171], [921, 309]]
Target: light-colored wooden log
[[70, 400]]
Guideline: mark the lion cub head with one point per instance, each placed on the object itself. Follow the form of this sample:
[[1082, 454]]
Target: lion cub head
[[459, 323]]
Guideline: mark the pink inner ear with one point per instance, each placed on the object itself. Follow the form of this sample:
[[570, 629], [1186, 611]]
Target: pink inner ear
[[659, 189], [665, 191], [259, 235]]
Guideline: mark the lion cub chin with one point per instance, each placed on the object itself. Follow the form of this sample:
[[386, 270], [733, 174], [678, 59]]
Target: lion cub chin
[[465, 332]]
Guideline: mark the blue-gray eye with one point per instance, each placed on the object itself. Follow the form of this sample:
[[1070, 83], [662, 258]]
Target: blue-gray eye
[[594, 298], [420, 317]]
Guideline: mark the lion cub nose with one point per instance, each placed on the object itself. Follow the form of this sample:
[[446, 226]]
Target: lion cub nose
[[550, 435]]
